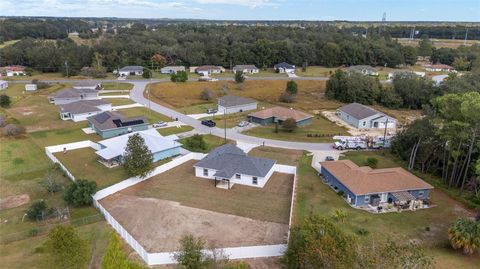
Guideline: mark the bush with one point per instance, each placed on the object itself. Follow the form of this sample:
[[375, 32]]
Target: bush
[[207, 94], [3, 121], [147, 73], [5, 100], [287, 97], [362, 231], [372, 162], [289, 125], [95, 72], [180, 76], [196, 143], [292, 87], [36, 209], [79, 193], [66, 248], [13, 130], [40, 84], [52, 179], [33, 232], [239, 77]]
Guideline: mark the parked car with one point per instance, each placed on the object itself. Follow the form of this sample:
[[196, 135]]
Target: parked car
[[212, 111], [329, 158], [159, 124], [209, 123], [243, 123]]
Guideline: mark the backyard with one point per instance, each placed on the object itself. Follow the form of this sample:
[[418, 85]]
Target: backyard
[[174, 130], [211, 142], [282, 156], [150, 115]]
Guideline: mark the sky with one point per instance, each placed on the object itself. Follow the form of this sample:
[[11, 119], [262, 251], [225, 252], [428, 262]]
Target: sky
[[353, 10]]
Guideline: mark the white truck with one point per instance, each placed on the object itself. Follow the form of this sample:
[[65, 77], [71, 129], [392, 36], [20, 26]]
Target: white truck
[[350, 144], [361, 142]]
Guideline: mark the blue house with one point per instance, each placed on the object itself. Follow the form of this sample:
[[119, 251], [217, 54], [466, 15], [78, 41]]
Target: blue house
[[161, 147], [376, 189], [109, 124]]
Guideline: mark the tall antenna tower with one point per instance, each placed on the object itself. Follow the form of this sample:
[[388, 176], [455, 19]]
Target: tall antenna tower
[[384, 21], [466, 36]]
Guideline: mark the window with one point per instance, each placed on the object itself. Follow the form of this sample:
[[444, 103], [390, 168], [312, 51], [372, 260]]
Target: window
[[364, 123], [205, 172], [420, 193], [237, 176], [254, 180], [367, 199]]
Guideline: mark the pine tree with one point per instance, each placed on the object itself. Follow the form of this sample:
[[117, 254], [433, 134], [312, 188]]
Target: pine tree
[[138, 159]]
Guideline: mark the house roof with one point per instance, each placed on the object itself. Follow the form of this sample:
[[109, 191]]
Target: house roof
[[13, 68], [359, 111], [360, 68], [229, 160], [174, 67], [131, 68], [241, 67], [111, 120], [231, 101], [83, 106], [207, 68], [155, 142], [364, 180], [72, 93], [281, 113], [284, 65]]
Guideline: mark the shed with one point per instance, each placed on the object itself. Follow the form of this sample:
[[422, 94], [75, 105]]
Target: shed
[[233, 104]]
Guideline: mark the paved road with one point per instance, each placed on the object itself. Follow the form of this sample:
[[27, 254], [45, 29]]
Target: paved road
[[136, 95]]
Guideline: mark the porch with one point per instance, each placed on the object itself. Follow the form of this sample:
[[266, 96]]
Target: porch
[[108, 157], [398, 202], [223, 183]]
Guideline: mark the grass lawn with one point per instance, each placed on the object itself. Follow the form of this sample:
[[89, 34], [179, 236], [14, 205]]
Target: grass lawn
[[117, 86], [315, 71], [282, 156], [62, 136], [270, 203], [211, 141], [118, 101], [174, 130], [151, 116], [83, 164], [321, 126], [316, 197]]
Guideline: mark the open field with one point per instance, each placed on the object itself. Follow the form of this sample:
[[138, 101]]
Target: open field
[[119, 101], [271, 203], [282, 156], [439, 43], [168, 222], [427, 226], [174, 130], [316, 71]]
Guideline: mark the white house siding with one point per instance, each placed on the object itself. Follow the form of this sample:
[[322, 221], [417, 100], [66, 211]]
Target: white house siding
[[3, 85], [369, 122], [244, 179], [237, 109], [392, 123], [349, 119]]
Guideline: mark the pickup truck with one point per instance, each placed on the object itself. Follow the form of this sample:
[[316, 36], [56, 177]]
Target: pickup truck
[[209, 123]]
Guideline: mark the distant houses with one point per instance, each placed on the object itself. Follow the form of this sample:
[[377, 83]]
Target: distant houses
[[206, 70], [278, 115], [439, 68], [72, 95], [81, 110], [365, 70], [228, 165], [109, 124], [234, 104], [364, 117], [12, 70], [3, 85], [246, 69], [392, 75], [377, 190], [172, 69], [284, 68], [131, 70]]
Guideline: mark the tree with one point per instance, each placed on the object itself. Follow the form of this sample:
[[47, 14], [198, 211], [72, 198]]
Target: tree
[[425, 47], [372, 162], [115, 257], [349, 88], [461, 63], [180, 76], [36, 209], [287, 98], [159, 60], [66, 248], [465, 234], [196, 143], [207, 94], [190, 255], [292, 87], [224, 89], [52, 179], [5, 100], [79, 192], [13, 130], [137, 159], [413, 90], [147, 73], [410, 55], [239, 77], [289, 125]]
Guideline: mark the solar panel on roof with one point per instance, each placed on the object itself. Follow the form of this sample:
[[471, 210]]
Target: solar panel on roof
[[118, 122], [133, 122], [102, 117]]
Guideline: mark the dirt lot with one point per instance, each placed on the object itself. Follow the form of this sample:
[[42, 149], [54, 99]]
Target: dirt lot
[[159, 224]]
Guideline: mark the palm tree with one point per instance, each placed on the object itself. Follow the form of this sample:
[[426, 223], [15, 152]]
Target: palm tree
[[465, 234]]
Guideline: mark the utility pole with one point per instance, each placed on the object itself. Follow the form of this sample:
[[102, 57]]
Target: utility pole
[[66, 67], [466, 35], [225, 123], [385, 132]]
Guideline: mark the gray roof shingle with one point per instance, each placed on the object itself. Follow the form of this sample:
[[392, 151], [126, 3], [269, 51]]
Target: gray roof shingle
[[83, 106], [359, 111], [229, 160], [112, 120], [232, 100], [131, 68], [72, 93]]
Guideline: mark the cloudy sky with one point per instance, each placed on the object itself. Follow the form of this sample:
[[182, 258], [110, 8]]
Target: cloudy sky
[[397, 10]]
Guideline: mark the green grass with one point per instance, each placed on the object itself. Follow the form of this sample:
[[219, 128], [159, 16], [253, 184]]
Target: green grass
[[62, 136], [315, 197], [117, 86], [320, 125], [315, 71], [211, 141], [83, 164], [197, 109], [385, 159], [174, 130], [118, 101], [151, 116], [282, 156], [8, 43]]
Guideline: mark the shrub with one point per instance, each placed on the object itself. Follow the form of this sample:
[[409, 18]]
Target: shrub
[[33, 232], [196, 143], [5, 100], [292, 87], [13, 130], [66, 248], [147, 73], [287, 98], [362, 231], [372, 162], [3, 120], [239, 77], [36, 209], [52, 179], [79, 193], [465, 234], [289, 125], [180, 76], [40, 84], [207, 94], [95, 72]]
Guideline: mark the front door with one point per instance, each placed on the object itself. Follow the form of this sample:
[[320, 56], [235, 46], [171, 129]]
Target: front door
[[383, 197]]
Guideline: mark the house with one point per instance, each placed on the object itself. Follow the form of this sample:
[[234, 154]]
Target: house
[[113, 149], [245, 69], [131, 70], [233, 104], [228, 165], [365, 70], [369, 188], [31, 87], [279, 114], [72, 95], [109, 124], [3, 85], [172, 69], [81, 110], [192, 69], [12, 70], [439, 68], [88, 85], [206, 70], [284, 68], [364, 117]]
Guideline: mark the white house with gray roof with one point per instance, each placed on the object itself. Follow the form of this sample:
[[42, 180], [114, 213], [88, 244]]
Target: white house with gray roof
[[172, 69], [81, 110], [364, 117], [72, 95], [130, 70], [233, 104], [365, 70], [228, 165], [245, 69]]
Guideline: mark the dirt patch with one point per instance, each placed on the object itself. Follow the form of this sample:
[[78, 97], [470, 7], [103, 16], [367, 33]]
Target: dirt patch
[[158, 225], [14, 201]]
